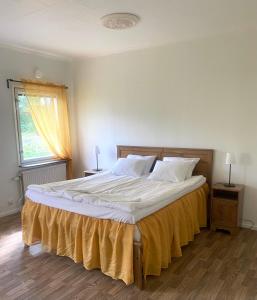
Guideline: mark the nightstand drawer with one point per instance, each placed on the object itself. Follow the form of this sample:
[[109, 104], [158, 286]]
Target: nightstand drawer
[[224, 212], [225, 194]]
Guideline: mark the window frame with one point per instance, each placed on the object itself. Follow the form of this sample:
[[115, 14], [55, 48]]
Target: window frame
[[23, 162]]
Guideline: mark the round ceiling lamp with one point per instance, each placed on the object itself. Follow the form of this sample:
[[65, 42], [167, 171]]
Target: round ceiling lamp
[[119, 21]]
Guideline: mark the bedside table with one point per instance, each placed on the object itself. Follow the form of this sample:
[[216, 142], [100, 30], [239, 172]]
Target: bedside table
[[91, 172], [226, 207]]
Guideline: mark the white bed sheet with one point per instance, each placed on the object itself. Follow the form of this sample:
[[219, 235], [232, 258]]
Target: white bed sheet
[[143, 187]]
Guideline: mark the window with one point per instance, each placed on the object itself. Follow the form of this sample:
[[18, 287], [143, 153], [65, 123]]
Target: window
[[32, 147]]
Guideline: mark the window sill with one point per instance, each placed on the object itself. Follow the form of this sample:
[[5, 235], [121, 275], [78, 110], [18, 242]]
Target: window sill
[[30, 166]]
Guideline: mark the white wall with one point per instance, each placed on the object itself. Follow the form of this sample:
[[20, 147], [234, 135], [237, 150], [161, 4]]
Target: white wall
[[16, 65], [196, 94]]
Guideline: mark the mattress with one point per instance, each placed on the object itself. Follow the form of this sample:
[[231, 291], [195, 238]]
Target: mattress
[[129, 199]]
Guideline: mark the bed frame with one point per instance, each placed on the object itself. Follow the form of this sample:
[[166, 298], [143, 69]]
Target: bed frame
[[204, 167]]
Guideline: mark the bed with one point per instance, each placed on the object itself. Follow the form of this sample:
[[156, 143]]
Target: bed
[[125, 240]]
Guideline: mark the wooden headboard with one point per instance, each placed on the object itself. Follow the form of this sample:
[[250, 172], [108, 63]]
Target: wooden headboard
[[204, 167]]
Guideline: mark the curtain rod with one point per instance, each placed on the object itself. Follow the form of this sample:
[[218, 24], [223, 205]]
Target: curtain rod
[[37, 83]]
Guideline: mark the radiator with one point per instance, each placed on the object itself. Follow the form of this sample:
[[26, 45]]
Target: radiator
[[43, 174]]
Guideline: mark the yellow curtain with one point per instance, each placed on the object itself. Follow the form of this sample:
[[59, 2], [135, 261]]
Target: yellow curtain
[[49, 110]]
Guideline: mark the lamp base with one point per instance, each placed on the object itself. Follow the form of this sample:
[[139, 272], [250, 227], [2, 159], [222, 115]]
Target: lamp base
[[97, 170], [229, 185]]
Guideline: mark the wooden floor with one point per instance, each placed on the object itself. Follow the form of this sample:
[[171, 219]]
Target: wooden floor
[[214, 266]]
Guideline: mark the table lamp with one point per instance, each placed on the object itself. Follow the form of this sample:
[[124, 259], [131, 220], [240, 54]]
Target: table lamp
[[229, 161], [97, 152]]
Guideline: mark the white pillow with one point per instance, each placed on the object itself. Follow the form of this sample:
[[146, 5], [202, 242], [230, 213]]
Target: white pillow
[[173, 171], [129, 167], [194, 162], [149, 161]]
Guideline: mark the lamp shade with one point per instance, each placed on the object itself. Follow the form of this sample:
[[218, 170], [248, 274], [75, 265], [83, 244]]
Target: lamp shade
[[229, 159], [97, 150]]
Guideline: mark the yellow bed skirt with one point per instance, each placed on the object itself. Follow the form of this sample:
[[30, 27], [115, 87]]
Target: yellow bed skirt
[[167, 230], [108, 244]]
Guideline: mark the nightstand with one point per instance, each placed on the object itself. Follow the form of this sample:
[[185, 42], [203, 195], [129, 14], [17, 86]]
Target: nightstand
[[92, 172], [226, 207]]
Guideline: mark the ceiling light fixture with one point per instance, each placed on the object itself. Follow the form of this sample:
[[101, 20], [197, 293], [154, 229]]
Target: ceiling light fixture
[[119, 21]]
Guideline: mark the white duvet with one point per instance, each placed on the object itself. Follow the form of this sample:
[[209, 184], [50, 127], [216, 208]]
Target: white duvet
[[123, 193]]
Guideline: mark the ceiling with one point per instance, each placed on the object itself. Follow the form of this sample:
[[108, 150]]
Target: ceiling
[[72, 28]]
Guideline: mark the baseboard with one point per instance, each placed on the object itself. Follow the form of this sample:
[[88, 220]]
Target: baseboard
[[249, 226], [10, 212]]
